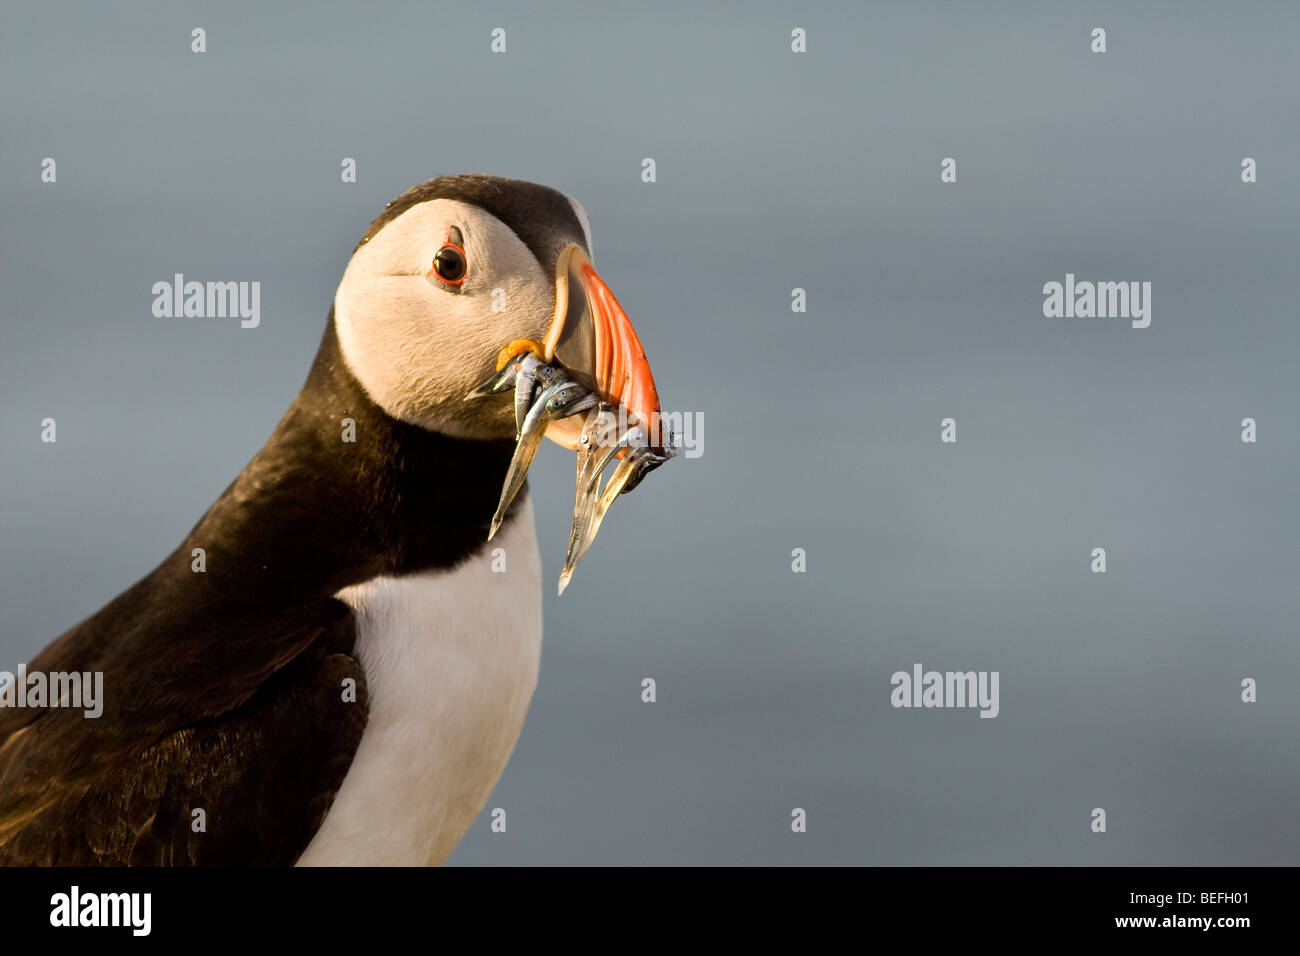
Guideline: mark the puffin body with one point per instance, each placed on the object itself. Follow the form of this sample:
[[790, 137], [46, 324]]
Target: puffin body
[[343, 681]]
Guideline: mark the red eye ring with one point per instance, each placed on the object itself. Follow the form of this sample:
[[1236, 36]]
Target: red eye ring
[[450, 265]]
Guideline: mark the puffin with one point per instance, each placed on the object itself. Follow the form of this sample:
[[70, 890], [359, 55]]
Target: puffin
[[341, 678]]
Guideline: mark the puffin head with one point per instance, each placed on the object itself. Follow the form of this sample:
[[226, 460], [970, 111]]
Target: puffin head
[[461, 274]]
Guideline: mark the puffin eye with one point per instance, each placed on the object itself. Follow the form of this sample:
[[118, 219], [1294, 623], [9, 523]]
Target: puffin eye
[[450, 264]]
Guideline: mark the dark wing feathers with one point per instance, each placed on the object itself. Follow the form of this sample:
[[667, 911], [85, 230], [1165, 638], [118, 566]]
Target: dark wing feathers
[[264, 769]]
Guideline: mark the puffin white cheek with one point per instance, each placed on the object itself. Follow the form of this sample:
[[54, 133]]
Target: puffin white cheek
[[386, 331], [394, 319], [521, 308]]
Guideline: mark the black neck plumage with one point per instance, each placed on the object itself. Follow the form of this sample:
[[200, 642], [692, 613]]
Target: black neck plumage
[[313, 512]]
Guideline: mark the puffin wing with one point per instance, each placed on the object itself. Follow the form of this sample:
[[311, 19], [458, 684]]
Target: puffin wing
[[243, 775]]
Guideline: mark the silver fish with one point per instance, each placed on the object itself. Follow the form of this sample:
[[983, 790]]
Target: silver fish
[[544, 394]]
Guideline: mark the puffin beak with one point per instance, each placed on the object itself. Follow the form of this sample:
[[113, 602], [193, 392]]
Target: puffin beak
[[590, 361], [592, 336]]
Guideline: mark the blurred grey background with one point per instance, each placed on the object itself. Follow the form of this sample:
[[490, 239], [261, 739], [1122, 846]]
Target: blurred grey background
[[775, 170]]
